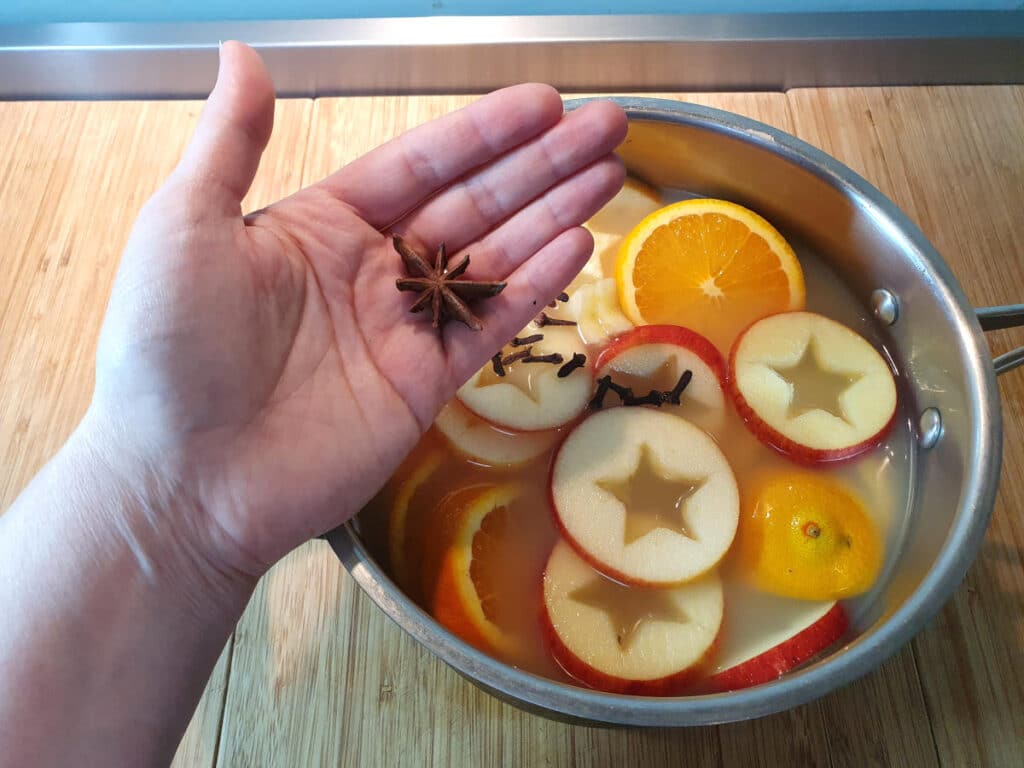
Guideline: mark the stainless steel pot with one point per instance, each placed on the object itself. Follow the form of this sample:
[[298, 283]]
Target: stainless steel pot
[[936, 340]]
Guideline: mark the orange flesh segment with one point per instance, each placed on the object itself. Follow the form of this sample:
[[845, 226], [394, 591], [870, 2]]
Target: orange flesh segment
[[728, 278], [486, 545]]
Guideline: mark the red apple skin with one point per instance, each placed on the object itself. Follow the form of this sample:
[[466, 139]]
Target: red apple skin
[[576, 668], [791, 449], [664, 334], [788, 654]]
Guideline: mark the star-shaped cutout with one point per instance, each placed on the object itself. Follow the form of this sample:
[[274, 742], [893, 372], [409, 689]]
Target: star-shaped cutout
[[628, 608], [664, 377], [522, 376], [815, 387], [651, 499]]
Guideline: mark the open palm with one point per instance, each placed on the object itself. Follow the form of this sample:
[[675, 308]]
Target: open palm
[[264, 368]]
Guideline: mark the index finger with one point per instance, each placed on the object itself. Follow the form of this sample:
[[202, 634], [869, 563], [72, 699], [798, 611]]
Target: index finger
[[396, 177]]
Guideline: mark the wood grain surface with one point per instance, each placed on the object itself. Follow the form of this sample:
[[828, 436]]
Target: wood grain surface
[[315, 674], [72, 179], [952, 158]]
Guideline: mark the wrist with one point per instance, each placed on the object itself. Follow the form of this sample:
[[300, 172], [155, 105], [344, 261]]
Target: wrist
[[113, 613], [124, 506]]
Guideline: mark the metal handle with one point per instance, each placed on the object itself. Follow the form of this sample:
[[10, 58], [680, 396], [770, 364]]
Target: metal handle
[[996, 319]]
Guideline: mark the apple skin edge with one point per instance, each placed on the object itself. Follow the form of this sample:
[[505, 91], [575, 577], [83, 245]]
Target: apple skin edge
[[664, 334], [796, 452], [785, 656], [579, 670]]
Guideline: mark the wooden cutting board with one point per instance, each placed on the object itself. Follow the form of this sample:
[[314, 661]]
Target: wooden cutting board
[[315, 674]]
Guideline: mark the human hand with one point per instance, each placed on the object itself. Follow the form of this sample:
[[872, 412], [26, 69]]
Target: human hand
[[261, 374]]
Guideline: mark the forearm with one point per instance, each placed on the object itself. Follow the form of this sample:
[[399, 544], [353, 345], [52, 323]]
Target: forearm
[[110, 621]]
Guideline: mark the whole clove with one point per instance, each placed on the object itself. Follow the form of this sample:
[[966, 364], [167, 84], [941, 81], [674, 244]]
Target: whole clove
[[515, 357], [499, 369], [522, 342], [543, 319], [577, 361], [677, 391], [554, 358], [597, 401]]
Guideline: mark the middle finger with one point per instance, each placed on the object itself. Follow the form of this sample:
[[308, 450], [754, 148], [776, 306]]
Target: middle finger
[[480, 201]]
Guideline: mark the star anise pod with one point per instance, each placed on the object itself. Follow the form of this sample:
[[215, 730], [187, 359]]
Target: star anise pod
[[442, 289]]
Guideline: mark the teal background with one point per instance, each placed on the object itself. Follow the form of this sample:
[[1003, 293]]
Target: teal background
[[46, 11]]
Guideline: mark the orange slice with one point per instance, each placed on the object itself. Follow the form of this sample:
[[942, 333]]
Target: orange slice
[[403, 534], [709, 265], [467, 595], [807, 537]]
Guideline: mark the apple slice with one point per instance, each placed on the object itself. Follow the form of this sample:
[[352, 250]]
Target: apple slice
[[768, 636], [613, 222], [594, 308], [484, 443], [811, 388], [644, 496], [623, 639], [656, 356], [530, 395]]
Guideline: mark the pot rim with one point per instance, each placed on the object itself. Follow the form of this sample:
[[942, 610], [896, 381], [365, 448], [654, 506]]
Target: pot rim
[[864, 654]]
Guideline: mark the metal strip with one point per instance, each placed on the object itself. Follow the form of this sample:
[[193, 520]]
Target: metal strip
[[575, 53], [998, 318]]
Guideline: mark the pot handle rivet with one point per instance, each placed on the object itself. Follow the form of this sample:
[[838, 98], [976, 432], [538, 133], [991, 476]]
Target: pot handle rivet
[[885, 306], [929, 428]]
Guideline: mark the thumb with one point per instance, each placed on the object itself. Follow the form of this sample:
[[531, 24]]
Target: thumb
[[233, 130]]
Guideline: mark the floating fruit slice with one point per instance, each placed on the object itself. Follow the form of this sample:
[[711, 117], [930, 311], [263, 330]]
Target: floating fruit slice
[[709, 265], [531, 395], [613, 222], [444, 517], [406, 520], [656, 356], [595, 309], [627, 639], [484, 443], [466, 597], [811, 388], [805, 536], [768, 636], [644, 496]]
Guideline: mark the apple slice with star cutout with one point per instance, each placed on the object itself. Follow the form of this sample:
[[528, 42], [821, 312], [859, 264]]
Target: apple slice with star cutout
[[769, 635], [594, 308], [656, 356], [644, 496], [623, 639], [811, 388], [528, 394], [486, 444]]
